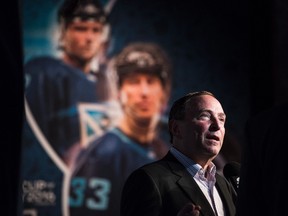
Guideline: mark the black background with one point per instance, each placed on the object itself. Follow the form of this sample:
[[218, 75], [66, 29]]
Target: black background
[[266, 31]]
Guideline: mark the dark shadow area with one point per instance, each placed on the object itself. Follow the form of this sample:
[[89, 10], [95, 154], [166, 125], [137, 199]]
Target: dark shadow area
[[12, 107], [261, 24]]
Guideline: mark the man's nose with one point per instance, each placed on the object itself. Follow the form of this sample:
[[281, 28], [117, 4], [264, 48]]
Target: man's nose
[[144, 88], [215, 124]]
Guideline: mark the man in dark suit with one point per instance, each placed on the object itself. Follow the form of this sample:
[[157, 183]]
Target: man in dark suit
[[186, 176], [264, 165]]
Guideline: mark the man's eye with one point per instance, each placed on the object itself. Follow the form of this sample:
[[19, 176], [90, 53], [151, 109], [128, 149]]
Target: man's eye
[[205, 116], [222, 120], [96, 30], [80, 28]]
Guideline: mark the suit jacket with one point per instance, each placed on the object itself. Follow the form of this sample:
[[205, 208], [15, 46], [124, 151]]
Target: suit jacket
[[163, 187]]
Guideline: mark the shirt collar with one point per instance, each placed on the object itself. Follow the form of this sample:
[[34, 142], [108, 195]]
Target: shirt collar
[[192, 167]]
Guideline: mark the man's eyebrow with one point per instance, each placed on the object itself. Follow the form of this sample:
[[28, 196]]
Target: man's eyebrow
[[223, 115]]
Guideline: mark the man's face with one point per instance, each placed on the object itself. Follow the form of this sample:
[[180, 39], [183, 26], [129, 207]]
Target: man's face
[[203, 130], [83, 39], [142, 97]]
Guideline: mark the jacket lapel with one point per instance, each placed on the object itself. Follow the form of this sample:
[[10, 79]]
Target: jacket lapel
[[225, 195], [188, 185]]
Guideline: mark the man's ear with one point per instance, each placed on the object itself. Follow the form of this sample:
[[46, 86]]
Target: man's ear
[[61, 35], [122, 97], [174, 128]]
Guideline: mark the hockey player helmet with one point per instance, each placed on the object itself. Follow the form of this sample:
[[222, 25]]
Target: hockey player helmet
[[144, 57], [72, 10]]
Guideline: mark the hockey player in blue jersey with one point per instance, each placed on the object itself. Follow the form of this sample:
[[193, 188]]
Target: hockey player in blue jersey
[[144, 78], [55, 87]]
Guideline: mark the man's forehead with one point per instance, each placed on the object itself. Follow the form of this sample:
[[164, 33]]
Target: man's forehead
[[80, 22], [204, 102], [141, 74]]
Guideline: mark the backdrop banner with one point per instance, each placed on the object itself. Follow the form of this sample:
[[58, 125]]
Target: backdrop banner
[[76, 99]]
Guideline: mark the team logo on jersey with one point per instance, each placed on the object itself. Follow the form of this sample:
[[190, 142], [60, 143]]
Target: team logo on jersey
[[94, 120]]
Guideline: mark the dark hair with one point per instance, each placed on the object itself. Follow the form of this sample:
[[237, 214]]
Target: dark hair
[[177, 111]]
